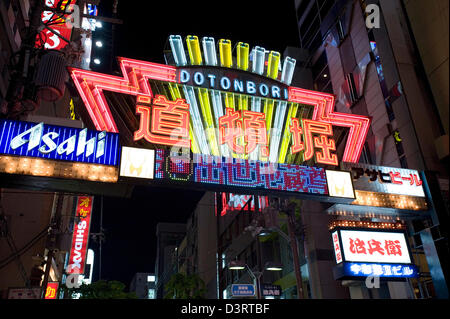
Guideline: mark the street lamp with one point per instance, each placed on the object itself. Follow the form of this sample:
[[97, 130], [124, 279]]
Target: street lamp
[[270, 266]]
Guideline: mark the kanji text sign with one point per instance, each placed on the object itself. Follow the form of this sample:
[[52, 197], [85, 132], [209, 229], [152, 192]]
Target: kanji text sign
[[243, 290], [381, 179], [374, 246]]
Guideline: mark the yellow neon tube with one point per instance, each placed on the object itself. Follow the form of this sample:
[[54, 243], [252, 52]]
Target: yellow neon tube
[[226, 59], [175, 93], [242, 55], [272, 66], [194, 49], [208, 117]]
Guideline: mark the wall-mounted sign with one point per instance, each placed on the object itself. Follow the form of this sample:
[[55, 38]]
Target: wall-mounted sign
[[381, 270], [224, 107], [80, 238], [270, 290], [340, 184], [137, 162], [337, 247], [383, 179], [371, 246], [58, 142], [242, 290]]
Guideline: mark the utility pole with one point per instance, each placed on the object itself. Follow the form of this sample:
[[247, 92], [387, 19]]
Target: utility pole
[[290, 210]]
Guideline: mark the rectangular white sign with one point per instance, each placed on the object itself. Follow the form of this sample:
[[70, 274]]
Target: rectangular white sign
[[340, 184], [382, 179], [337, 247], [137, 162], [375, 246]]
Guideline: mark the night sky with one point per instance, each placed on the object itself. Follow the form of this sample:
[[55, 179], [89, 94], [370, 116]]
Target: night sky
[[130, 224]]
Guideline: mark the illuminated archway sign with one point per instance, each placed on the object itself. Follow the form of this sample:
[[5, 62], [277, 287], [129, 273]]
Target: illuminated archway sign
[[219, 107]]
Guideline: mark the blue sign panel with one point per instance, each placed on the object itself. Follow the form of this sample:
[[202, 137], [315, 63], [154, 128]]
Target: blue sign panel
[[243, 290], [380, 270], [58, 142]]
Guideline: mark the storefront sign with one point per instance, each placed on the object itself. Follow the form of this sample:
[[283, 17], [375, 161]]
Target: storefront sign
[[270, 290], [58, 142], [77, 258], [371, 246], [380, 270], [243, 290], [383, 179]]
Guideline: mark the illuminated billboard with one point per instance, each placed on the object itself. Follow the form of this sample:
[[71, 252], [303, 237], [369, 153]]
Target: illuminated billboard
[[221, 107], [363, 252], [54, 142], [374, 246], [383, 179], [80, 237]]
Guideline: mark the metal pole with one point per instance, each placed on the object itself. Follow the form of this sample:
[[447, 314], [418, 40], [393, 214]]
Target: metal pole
[[291, 228], [47, 273], [101, 239]]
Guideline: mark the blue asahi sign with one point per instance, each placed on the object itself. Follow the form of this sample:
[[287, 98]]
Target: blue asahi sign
[[58, 142]]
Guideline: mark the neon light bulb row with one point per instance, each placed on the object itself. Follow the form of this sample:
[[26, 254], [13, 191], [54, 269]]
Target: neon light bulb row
[[257, 56]]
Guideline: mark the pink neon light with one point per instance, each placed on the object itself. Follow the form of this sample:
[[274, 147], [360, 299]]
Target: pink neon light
[[136, 74], [324, 111]]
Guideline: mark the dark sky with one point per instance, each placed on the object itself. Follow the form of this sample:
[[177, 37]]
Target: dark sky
[[130, 224]]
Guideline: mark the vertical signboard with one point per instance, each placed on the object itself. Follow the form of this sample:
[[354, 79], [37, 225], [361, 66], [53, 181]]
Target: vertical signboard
[[52, 290], [77, 258]]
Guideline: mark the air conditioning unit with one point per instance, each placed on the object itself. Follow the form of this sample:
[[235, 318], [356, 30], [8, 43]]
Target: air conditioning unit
[[51, 76]]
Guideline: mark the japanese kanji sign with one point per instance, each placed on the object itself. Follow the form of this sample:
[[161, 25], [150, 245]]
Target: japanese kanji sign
[[371, 246], [223, 110], [383, 179], [52, 290]]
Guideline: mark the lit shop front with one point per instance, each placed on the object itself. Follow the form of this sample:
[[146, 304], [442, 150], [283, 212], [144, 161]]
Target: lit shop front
[[214, 122]]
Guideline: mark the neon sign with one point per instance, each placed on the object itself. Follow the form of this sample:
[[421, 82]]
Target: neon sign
[[380, 270], [240, 82], [212, 97], [371, 246], [58, 142]]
